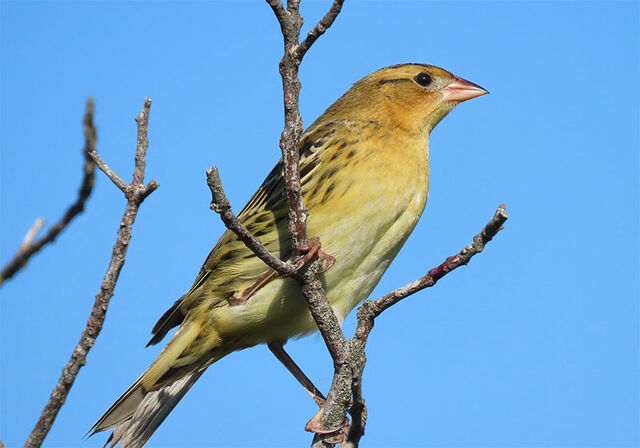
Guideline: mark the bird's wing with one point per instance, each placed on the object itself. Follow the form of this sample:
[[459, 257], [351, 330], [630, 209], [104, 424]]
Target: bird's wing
[[231, 267]]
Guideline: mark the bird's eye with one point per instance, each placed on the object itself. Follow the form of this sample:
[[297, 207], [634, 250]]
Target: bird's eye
[[423, 79]]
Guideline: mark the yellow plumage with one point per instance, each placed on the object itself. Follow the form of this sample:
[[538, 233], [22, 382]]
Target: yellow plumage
[[365, 177]]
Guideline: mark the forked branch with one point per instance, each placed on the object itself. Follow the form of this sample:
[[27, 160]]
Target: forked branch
[[135, 193]]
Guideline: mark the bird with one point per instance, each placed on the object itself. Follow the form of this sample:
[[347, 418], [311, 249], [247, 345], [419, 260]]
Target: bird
[[364, 172]]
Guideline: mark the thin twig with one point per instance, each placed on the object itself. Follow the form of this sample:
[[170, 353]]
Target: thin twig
[[279, 11], [142, 143], [320, 28], [135, 194], [451, 263], [25, 252], [117, 181], [220, 204]]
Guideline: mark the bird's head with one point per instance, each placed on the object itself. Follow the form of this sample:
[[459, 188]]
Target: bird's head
[[413, 97]]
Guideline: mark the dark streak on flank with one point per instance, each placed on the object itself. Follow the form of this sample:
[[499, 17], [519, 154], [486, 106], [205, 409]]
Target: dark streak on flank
[[316, 190], [327, 193]]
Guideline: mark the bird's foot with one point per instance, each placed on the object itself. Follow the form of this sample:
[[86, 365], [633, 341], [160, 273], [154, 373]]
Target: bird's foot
[[314, 249], [336, 435]]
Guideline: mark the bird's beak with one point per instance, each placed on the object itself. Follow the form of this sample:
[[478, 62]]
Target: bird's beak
[[462, 90]]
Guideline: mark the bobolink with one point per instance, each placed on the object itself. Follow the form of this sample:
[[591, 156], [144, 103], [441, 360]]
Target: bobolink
[[364, 168]]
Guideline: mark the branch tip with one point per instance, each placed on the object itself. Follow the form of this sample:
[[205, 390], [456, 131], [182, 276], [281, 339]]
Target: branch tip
[[26, 251]]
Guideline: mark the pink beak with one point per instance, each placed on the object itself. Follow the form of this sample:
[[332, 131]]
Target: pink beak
[[462, 90]]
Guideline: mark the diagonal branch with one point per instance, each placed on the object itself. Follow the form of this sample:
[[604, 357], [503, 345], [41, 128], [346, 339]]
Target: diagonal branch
[[135, 193], [30, 246], [112, 175], [320, 28], [279, 11], [479, 241], [220, 204]]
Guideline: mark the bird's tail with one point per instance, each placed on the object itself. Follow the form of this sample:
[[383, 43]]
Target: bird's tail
[[136, 415]]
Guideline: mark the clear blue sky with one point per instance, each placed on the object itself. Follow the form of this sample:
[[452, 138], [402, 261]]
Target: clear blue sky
[[535, 344]]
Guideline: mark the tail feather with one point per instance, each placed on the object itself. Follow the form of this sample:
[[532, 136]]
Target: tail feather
[[122, 409], [132, 429], [136, 415]]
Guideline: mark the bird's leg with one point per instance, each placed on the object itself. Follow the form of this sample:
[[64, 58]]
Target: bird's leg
[[315, 424], [313, 250], [277, 348], [247, 293]]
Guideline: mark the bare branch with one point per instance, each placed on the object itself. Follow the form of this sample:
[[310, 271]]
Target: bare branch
[[279, 11], [358, 409], [451, 263], [220, 204], [26, 251], [320, 28], [135, 194], [370, 309], [323, 314], [1, 444], [142, 143], [122, 185], [136, 190]]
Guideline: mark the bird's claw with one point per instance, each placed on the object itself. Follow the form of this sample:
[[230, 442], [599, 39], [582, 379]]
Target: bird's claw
[[336, 435], [314, 249]]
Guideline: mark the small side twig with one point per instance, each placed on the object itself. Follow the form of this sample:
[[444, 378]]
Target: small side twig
[[135, 193], [479, 241], [319, 29], [136, 190], [30, 246]]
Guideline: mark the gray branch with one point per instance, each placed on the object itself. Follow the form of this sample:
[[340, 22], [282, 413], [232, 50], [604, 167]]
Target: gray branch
[[220, 204], [30, 246], [135, 193]]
